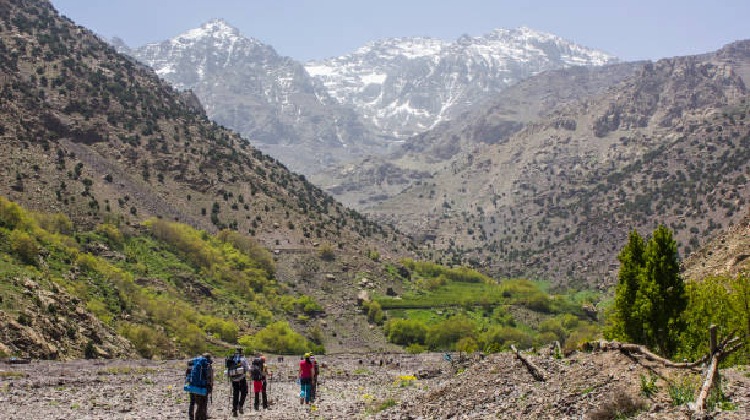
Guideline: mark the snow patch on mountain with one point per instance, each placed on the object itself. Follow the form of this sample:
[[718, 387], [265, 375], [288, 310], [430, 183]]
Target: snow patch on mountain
[[220, 46], [407, 85]]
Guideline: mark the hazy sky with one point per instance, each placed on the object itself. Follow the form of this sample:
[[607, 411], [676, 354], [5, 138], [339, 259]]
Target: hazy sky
[[316, 29]]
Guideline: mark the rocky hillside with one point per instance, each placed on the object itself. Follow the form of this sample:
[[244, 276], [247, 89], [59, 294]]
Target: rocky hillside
[[557, 199], [727, 254], [269, 99], [54, 325], [408, 85], [94, 135], [364, 183]]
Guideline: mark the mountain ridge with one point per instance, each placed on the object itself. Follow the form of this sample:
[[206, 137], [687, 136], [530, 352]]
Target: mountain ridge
[[393, 82], [297, 112], [668, 142]]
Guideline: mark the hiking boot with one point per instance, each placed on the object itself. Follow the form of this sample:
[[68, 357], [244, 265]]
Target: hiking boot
[[234, 413], [242, 410]]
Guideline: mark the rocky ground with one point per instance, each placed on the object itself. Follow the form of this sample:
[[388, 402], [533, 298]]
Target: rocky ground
[[593, 386]]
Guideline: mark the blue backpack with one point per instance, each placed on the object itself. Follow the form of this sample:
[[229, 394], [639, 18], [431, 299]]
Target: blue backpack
[[197, 379]]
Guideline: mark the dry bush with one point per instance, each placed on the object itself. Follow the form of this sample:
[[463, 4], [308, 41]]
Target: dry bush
[[619, 405]]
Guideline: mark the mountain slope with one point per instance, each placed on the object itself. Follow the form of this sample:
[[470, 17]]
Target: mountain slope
[[365, 183], [100, 138], [271, 100], [407, 85], [727, 254], [557, 199]]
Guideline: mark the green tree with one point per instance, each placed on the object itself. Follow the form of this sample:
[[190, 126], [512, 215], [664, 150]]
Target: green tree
[[661, 298], [279, 338], [626, 326], [445, 334], [406, 331], [24, 246], [650, 295], [721, 301]]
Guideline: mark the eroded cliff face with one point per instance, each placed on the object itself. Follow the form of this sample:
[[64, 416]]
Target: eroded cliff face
[[54, 325]]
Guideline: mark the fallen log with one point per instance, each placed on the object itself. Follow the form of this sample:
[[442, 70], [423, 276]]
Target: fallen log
[[17, 361], [637, 349], [533, 369]]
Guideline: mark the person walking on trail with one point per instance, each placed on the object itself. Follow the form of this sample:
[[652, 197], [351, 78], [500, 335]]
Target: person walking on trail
[[314, 382], [259, 374], [237, 369], [198, 409], [305, 378]]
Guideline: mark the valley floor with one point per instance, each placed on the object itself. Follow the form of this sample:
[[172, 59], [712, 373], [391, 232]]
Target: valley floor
[[360, 386]]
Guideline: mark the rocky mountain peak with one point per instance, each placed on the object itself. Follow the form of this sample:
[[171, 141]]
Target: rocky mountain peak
[[214, 29], [193, 55], [406, 86]]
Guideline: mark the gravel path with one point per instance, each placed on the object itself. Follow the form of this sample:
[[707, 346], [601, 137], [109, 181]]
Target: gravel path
[[120, 389], [358, 387]]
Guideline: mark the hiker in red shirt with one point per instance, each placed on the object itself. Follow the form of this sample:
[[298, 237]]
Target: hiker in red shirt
[[305, 378]]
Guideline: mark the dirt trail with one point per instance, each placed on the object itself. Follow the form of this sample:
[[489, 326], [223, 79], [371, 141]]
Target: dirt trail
[[358, 387], [122, 389]]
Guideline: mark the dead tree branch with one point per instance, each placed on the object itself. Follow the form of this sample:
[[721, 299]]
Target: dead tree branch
[[727, 347], [534, 370]]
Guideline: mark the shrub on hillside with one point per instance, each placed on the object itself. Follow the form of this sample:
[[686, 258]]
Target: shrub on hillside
[[720, 301], [147, 341], [112, 233], [374, 312], [226, 330], [55, 223], [245, 244], [500, 338], [326, 253], [24, 247], [445, 334], [13, 216], [405, 331], [279, 338]]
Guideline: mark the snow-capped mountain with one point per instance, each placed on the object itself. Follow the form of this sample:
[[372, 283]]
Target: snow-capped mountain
[[270, 99], [326, 112], [407, 85]]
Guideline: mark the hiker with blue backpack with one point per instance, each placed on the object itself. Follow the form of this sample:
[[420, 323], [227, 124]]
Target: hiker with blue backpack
[[199, 381], [237, 370]]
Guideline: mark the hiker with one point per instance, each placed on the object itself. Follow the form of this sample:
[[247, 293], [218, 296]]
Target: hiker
[[259, 375], [237, 369], [305, 378], [200, 385], [314, 383]]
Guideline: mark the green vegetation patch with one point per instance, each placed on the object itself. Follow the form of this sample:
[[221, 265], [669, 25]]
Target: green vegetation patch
[[169, 289]]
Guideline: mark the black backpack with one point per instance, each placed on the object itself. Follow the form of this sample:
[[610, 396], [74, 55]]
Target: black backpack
[[256, 369], [235, 371]]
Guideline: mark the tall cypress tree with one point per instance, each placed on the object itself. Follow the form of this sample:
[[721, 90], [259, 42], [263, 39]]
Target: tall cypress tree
[[650, 294], [627, 327], [664, 290]]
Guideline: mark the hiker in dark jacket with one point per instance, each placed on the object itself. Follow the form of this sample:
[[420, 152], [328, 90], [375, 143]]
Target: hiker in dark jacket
[[258, 374], [314, 382], [238, 376]]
